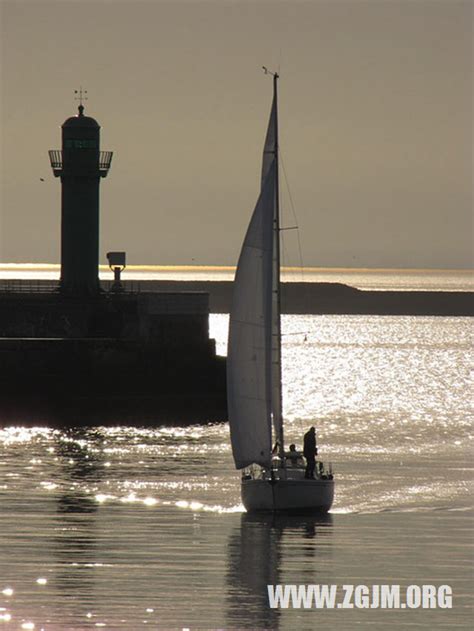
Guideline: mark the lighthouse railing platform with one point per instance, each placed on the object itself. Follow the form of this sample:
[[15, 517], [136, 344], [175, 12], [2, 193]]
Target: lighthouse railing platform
[[56, 160], [105, 159]]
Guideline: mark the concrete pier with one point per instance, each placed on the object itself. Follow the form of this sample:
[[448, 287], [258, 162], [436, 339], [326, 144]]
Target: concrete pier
[[113, 357]]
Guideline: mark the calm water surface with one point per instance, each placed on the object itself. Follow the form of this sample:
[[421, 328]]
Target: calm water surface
[[127, 528]]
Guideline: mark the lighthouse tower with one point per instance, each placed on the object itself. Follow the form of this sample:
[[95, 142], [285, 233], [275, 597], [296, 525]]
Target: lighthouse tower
[[80, 165]]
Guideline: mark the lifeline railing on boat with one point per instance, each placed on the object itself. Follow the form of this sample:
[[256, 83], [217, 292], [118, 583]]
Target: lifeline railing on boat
[[256, 472]]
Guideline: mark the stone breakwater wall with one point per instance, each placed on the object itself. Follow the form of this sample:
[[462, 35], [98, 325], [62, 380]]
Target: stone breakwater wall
[[334, 298]]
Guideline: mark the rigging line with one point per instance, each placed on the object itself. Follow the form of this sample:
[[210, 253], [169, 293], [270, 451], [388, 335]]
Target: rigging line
[[292, 206], [300, 250], [295, 333], [285, 258]]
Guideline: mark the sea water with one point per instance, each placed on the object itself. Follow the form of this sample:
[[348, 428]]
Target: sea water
[[129, 528]]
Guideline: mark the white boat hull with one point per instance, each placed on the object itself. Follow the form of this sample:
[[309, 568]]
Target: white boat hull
[[287, 495]]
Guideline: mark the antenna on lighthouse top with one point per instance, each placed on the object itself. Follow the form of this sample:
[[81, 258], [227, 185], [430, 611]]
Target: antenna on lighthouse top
[[82, 97]]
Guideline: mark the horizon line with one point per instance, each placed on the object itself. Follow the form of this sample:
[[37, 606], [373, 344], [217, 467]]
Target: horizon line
[[231, 268]]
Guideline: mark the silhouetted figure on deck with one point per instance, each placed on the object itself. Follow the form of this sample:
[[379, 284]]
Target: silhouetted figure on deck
[[293, 457], [310, 451]]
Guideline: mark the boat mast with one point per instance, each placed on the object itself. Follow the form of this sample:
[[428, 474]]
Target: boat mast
[[276, 228]]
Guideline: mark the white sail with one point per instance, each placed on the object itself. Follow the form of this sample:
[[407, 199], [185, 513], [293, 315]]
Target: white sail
[[269, 148], [249, 367]]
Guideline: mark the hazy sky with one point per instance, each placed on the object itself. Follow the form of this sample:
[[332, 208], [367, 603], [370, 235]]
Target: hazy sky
[[375, 111]]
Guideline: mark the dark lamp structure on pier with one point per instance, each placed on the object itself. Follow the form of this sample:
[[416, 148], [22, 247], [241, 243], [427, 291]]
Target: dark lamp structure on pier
[[80, 165], [117, 263]]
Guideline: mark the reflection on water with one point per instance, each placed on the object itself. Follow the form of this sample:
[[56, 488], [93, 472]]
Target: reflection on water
[[248, 573], [81, 451], [259, 550], [75, 541], [74, 546]]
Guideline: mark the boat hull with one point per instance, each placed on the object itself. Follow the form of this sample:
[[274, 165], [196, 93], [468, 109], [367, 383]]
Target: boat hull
[[287, 495]]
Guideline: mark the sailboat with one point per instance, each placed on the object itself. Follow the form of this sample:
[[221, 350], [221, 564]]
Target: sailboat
[[254, 379]]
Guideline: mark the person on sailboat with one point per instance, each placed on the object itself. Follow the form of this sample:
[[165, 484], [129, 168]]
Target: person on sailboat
[[310, 451], [293, 457]]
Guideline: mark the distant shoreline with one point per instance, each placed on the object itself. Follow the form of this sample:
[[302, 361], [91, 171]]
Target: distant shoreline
[[305, 297], [318, 298], [334, 298], [449, 280]]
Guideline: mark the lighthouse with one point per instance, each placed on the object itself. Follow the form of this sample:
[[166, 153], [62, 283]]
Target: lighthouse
[[80, 165]]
